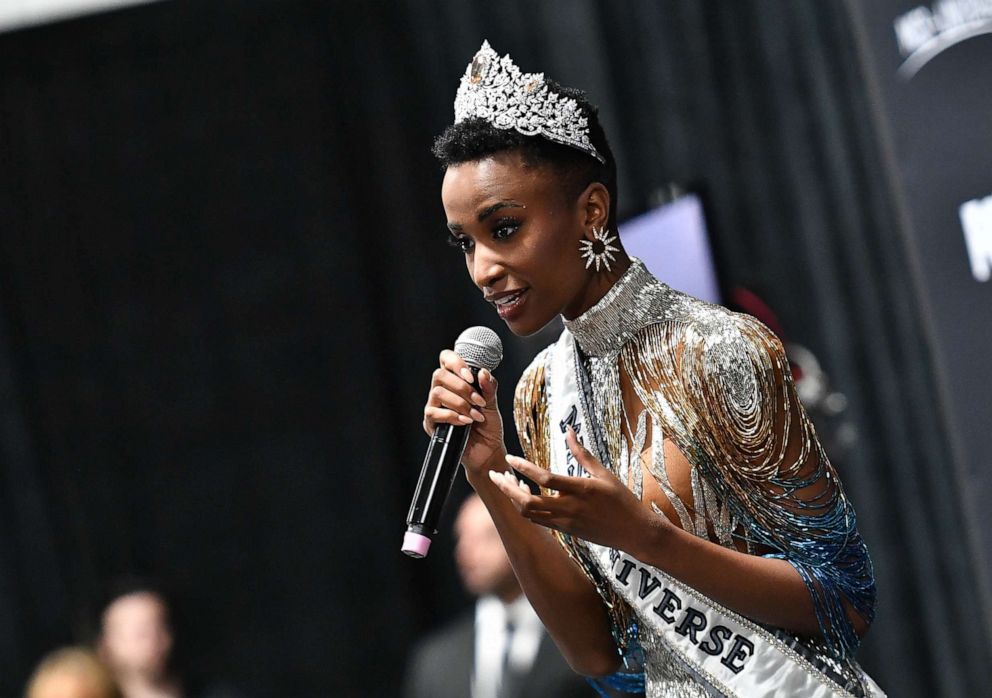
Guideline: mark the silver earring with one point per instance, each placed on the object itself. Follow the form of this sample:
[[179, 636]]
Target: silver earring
[[599, 250]]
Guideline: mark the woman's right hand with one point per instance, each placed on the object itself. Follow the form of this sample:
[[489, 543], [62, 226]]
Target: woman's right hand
[[453, 399]]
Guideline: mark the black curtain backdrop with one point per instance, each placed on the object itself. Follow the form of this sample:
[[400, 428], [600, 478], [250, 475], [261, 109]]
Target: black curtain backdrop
[[223, 286]]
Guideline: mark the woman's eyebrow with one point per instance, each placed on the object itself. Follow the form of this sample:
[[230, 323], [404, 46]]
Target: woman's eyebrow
[[489, 210], [486, 212]]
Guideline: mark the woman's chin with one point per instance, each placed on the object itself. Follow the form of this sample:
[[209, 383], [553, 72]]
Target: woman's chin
[[527, 325]]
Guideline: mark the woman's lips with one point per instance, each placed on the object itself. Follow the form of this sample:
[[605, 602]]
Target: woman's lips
[[511, 305]]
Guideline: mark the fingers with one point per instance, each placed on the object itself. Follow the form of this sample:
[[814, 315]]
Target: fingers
[[586, 459], [548, 511], [457, 396], [438, 415], [486, 382], [539, 475], [443, 396], [488, 385], [516, 487], [457, 377], [456, 364], [452, 395], [545, 478], [519, 493]]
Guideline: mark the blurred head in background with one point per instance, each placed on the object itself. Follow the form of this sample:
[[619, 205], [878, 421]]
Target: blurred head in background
[[72, 672], [136, 641], [479, 553]]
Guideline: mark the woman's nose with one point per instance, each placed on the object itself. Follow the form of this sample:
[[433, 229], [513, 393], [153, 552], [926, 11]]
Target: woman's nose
[[487, 267]]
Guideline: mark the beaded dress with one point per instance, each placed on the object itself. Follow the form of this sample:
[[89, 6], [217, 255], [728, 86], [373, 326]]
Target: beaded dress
[[718, 385]]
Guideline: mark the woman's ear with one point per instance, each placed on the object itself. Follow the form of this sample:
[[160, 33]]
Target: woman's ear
[[595, 206]]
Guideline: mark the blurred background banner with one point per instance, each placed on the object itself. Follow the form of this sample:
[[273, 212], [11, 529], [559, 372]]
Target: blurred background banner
[[224, 285], [933, 65]]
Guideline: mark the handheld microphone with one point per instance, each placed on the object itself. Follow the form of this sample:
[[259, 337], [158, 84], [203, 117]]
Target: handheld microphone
[[480, 348]]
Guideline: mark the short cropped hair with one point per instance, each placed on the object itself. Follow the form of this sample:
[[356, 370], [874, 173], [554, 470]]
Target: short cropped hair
[[474, 139]]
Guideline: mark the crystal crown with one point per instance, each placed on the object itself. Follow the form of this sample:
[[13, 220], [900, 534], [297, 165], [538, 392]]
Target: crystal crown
[[494, 89]]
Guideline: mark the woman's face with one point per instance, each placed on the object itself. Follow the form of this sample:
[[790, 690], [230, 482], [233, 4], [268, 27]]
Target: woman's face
[[520, 237]]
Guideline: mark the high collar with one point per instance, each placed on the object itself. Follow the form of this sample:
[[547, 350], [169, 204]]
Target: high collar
[[628, 306]]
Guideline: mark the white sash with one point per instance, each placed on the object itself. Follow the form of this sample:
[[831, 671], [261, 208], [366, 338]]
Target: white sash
[[730, 654]]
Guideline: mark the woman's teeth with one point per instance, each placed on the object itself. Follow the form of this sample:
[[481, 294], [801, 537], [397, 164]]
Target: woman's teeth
[[507, 300]]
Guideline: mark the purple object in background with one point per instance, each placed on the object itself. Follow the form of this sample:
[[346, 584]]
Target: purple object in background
[[673, 243]]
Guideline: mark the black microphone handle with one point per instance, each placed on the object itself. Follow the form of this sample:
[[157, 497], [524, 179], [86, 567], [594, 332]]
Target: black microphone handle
[[437, 474]]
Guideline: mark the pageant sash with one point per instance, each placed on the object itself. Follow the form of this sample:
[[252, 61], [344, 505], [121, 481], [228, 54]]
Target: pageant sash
[[731, 655]]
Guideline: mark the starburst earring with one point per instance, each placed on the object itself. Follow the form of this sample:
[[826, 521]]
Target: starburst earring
[[599, 249]]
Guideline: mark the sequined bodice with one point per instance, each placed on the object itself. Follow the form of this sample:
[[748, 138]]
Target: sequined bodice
[[637, 300], [719, 386]]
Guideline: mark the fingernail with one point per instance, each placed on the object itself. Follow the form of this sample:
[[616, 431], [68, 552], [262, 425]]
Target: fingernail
[[465, 419], [523, 486], [494, 476], [478, 400], [509, 459], [467, 375], [477, 416]]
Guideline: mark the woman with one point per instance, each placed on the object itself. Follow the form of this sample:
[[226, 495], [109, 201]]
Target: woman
[[716, 550]]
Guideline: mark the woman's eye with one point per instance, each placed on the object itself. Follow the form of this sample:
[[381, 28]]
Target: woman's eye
[[505, 228], [460, 242]]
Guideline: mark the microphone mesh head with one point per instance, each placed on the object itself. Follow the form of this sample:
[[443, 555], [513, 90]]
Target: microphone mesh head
[[480, 347]]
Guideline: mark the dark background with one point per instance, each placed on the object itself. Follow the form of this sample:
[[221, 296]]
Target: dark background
[[941, 116], [224, 284]]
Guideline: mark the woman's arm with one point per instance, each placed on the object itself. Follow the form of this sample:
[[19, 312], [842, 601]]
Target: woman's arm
[[602, 510], [564, 598], [768, 590], [566, 601]]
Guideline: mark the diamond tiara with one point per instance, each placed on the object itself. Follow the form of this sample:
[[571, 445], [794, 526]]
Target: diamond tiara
[[494, 89]]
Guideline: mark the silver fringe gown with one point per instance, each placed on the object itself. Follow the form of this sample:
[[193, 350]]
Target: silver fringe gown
[[718, 385]]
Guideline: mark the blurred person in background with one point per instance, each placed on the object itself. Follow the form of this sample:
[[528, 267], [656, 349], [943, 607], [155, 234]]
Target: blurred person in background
[[136, 641], [71, 672], [499, 648]]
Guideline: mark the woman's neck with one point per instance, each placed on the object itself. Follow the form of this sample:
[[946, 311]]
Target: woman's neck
[[634, 299], [599, 284]]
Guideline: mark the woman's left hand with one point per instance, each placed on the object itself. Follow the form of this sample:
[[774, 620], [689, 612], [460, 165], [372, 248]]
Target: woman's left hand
[[599, 508]]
